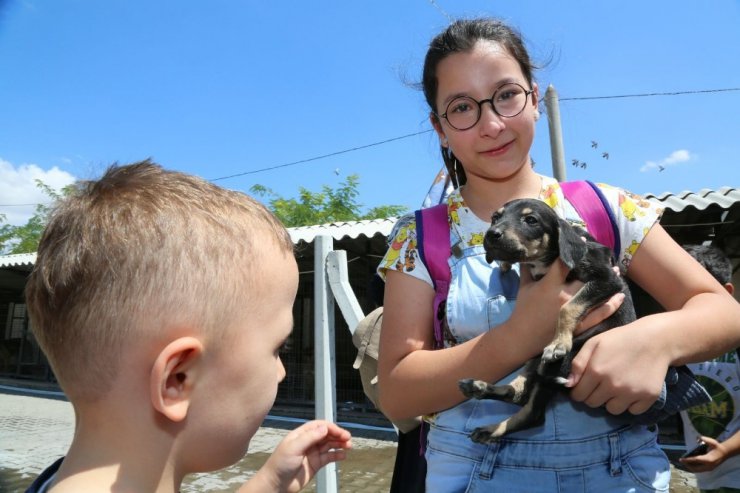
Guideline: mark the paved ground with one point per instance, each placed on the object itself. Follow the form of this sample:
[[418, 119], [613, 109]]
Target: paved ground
[[34, 431]]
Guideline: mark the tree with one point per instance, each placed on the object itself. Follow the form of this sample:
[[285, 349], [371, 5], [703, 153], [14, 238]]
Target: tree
[[25, 238], [329, 205]]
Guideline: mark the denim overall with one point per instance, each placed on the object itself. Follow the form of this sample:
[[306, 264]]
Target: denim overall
[[578, 449]]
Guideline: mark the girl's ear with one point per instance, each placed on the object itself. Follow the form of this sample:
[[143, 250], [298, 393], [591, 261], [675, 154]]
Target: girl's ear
[[173, 377], [438, 128], [535, 96]]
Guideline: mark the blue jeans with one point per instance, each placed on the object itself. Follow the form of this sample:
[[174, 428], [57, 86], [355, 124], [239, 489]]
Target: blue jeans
[[627, 460]]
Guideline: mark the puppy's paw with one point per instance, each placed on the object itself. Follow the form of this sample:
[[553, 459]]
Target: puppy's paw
[[504, 266], [488, 434], [552, 360], [554, 352], [470, 388]]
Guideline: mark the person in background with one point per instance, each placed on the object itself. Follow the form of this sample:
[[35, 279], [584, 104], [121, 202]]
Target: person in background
[[715, 425], [162, 302], [479, 83]]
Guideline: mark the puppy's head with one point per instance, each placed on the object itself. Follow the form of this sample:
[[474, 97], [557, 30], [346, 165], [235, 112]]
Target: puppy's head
[[523, 230], [528, 230]]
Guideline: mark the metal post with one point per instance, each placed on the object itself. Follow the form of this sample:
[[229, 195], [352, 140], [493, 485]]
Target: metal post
[[556, 134], [324, 364], [336, 269]]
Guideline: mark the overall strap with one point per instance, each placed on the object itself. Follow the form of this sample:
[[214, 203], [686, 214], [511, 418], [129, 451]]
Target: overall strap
[[589, 201], [433, 243]]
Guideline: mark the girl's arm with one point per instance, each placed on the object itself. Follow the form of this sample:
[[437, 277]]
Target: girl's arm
[[415, 380], [624, 368]]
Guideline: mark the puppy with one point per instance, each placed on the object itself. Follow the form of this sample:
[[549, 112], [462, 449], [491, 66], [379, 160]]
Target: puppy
[[528, 231]]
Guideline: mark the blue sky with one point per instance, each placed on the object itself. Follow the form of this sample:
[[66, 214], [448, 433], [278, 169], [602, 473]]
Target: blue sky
[[225, 88]]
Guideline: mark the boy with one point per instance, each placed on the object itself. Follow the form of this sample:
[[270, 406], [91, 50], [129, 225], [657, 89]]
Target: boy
[[717, 424], [161, 302]]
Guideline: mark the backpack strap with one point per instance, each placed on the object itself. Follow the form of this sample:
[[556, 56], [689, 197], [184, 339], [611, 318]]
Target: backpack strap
[[591, 204], [433, 240]]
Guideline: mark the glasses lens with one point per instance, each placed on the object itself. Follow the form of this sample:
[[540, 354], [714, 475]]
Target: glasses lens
[[463, 113], [510, 99]]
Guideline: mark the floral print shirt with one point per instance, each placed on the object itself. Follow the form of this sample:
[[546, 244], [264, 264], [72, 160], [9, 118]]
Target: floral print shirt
[[634, 217]]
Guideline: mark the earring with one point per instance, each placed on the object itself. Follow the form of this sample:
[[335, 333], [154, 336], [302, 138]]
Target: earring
[[536, 115], [454, 170], [444, 142]]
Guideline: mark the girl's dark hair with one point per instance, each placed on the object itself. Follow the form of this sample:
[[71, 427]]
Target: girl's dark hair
[[460, 37]]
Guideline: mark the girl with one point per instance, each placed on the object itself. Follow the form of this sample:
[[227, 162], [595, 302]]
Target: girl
[[478, 81]]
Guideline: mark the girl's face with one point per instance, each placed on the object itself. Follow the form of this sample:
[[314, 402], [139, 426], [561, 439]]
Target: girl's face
[[496, 147]]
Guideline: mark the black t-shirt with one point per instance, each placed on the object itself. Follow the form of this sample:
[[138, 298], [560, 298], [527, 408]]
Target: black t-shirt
[[39, 485]]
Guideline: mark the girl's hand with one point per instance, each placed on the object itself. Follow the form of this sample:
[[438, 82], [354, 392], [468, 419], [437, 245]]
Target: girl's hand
[[541, 301], [620, 369], [299, 456], [600, 313]]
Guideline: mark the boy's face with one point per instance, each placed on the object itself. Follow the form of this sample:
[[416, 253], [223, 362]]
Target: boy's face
[[245, 372]]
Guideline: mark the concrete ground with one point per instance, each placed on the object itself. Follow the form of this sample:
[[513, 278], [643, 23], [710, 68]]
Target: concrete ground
[[35, 431]]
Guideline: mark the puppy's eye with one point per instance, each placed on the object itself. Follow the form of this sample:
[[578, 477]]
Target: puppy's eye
[[496, 216], [530, 220]]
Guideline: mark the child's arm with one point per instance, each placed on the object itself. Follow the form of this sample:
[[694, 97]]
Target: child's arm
[[299, 456]]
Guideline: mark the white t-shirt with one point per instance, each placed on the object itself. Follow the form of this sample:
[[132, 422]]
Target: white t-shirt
[[719, 419]]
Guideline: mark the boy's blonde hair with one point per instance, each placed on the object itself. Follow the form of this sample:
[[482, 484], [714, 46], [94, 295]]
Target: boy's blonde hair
[[138, 251]]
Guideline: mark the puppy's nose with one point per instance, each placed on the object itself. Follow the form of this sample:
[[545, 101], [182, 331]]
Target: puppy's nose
[[492, 237]]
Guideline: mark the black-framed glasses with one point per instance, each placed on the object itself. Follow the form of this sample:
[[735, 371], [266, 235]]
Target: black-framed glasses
[[507, 101]]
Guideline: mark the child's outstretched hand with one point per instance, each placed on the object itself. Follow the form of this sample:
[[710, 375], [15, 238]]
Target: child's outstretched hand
[[299, 456]]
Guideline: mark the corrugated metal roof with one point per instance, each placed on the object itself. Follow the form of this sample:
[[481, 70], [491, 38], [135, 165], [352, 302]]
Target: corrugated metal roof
[[346, 229], [18, 259], [724, 198]]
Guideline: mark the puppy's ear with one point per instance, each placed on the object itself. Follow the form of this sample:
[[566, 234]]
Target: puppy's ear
[[571, 244], [173, 377]]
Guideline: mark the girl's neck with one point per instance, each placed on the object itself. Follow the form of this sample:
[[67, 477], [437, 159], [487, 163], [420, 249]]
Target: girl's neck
[[484, 197]]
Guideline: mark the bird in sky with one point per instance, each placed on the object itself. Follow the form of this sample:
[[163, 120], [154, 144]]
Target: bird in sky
[[594, 144], [605, 155]]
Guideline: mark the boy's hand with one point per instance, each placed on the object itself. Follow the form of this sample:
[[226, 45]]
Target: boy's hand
[[299, 456]]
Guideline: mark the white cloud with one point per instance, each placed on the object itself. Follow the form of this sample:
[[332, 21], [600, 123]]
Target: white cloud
[[18, 186], [674, 158]]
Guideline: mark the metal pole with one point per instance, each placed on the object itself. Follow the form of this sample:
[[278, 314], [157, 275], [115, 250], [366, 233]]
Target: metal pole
[[336, 270], [324, 364], [556, 134]]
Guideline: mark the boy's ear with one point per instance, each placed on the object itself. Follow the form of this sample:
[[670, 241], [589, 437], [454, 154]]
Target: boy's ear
[[173, 377]]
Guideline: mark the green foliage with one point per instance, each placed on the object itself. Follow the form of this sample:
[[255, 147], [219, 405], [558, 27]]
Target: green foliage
[[329, 205], [309, 208], [25, 238]]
